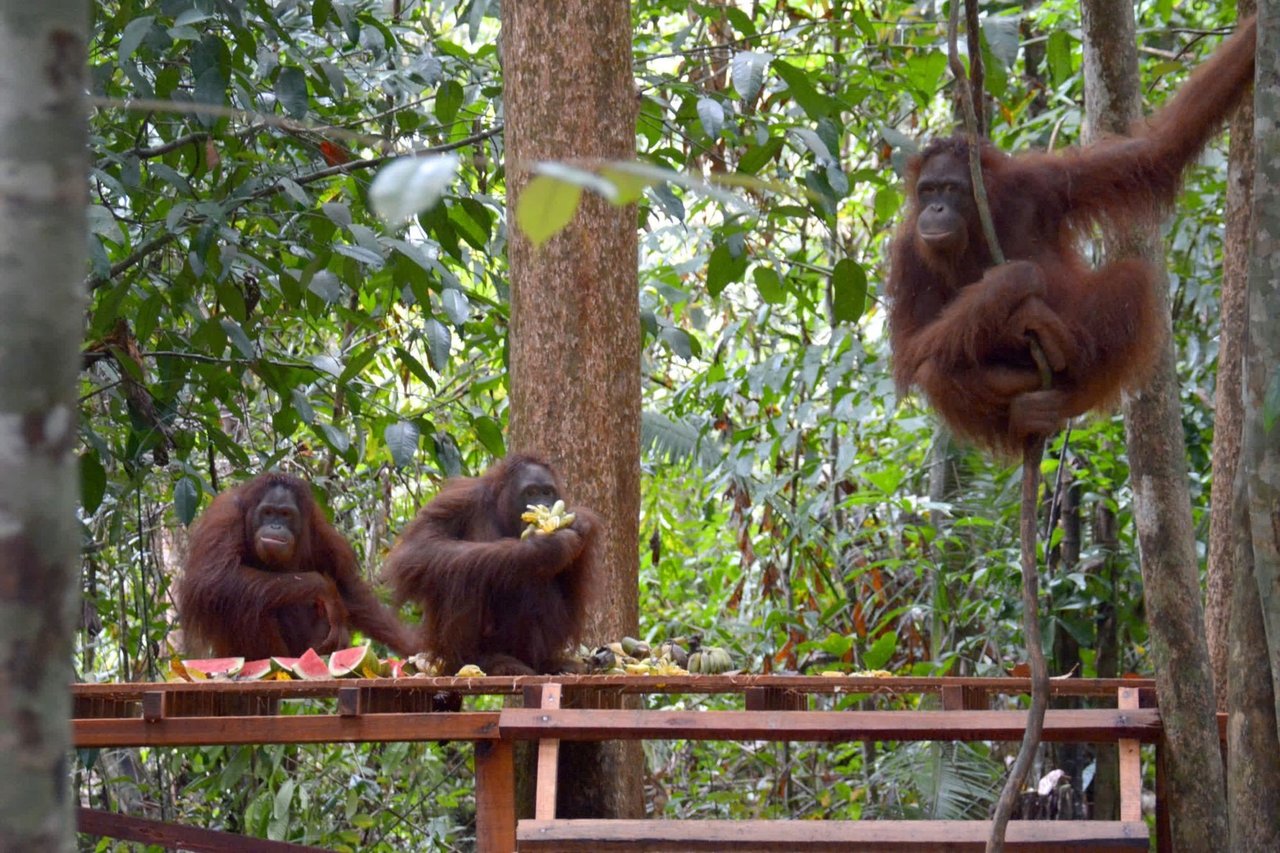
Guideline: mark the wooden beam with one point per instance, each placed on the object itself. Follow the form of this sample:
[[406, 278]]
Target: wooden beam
[[1130, 763], [1076, 726], [917, 836], [544, 807], [495, 796], [112, 693], [212, 731], [174, 836]]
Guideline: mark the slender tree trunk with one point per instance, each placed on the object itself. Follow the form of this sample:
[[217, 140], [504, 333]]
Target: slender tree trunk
[[575, 321], [1260, 456], [43, 170], [1253, 746], [1228, 397], [1157, 462]]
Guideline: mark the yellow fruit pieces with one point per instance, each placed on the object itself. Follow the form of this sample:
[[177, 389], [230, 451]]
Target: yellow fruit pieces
[[543, 520]]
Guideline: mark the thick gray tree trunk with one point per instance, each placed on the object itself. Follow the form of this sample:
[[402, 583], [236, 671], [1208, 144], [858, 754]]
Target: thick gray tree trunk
[[575, 321], [1157, 463], [1228, 397], [1260, 458], [43, 174]]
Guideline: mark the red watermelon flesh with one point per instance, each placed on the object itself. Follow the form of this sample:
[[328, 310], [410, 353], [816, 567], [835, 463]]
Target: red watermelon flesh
[[213, 668], [356, 662], [311, 666], [254, 670]]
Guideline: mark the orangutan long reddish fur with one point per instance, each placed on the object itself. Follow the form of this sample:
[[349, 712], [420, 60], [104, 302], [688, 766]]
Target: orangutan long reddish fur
[[490, 598], [232, 606], [945, 330]]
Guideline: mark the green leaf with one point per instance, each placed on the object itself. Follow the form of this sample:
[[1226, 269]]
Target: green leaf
[[402, 440], [881, 651], [848, 291], [235, 333], [337, 438], [448, 101], [133, 35], [711, 114], [456, 305], [490, 434], [439, 341], [837, 645], [93, 482], [415, 367], [746, 69], [546, 207], [1058, 55], [409, 185], [769, 285], [291, 91], [186, 499], [815, 104], [1003, 39], [723, 268]]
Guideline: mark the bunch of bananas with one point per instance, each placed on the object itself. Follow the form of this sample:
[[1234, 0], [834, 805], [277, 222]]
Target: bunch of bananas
[[543, 520], [710, 660]]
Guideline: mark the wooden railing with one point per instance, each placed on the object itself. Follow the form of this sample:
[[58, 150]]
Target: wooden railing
[[375, 710]]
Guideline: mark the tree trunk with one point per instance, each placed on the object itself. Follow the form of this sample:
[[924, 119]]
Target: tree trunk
[[1253, 746], [575, 321], [1228, 397], [1260, 456], [1162, 502], [43, 170]]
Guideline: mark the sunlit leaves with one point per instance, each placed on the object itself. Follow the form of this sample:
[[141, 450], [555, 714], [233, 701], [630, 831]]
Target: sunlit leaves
[[406, 186], [546, 207]]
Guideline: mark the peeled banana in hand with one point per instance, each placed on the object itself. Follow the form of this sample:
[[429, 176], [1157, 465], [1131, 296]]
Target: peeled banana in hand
[[544, 521]]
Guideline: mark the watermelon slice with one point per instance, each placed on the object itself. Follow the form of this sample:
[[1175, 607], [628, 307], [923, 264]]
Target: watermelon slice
[[394, 668], [283, 665], [356, 662], [208, 669], [311, 666], [254, 670]]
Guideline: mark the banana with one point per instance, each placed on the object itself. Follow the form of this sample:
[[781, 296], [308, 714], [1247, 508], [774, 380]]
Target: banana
[[543, 521]]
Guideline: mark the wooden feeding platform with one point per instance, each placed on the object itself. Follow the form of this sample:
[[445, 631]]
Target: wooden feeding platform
[[776, 709]]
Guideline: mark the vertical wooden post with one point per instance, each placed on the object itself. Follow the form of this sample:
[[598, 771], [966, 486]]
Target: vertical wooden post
[[495, 796], [1130, 763], [544, 804]]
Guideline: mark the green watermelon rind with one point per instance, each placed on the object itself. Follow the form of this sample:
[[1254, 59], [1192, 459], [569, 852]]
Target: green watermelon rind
[[353, 662]]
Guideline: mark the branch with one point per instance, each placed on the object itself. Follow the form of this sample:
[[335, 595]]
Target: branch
[[975, 142]]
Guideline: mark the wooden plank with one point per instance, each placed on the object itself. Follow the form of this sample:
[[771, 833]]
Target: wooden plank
[[1130, 763], [495, 796], [918, 836], [498, 685], [174, 836], [544, 807], [1099, 725], [212, 731]]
